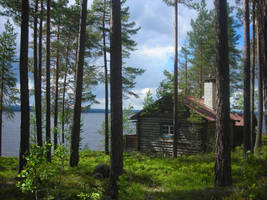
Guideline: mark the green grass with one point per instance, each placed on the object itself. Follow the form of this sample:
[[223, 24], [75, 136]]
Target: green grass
[[149, 177]]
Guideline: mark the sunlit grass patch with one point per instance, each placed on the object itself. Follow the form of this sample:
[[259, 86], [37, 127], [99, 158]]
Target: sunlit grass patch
[[148, 177]]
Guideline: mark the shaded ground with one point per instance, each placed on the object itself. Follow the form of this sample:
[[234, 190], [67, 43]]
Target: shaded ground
[[145, 177]]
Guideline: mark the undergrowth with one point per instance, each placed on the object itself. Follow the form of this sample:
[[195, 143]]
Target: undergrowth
[[145, 177]]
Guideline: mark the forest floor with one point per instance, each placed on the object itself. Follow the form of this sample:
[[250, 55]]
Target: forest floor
[[145, 177]]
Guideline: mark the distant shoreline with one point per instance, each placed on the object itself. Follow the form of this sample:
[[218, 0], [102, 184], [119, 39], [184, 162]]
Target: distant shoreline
[[92, 110]]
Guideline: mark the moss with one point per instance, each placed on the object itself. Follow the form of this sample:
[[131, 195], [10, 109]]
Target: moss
[[147, 177]]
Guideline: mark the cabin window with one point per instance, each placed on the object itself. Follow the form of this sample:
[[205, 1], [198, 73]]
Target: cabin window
[[166, 130]]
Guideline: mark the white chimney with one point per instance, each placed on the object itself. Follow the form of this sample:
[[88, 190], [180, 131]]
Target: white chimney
[[210, 93]]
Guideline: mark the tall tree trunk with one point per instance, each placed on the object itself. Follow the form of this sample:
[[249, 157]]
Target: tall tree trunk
[[246, 128], [252, 122], [201, 72], [260, 95], [223, 171], [63, 97], [48, 125], [56, 93], [76, 57], [24, 88], [1, 110], [106, 82], [39, 105], [76, 123], [175, 82], [263, 25], [116, 154], [39, 88], [63, 109], [37, 94], [186, 81]]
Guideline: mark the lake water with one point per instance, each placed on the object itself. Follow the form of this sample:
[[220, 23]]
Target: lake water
[[90, 137]]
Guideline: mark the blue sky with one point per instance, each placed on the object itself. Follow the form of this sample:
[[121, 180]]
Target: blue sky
[[155, 43]]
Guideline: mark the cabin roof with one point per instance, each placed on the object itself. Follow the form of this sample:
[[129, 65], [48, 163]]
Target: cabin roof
[[199, 107], [164, 106]]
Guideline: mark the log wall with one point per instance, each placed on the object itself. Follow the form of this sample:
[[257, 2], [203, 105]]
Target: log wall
[[150, 138], [193, 138]]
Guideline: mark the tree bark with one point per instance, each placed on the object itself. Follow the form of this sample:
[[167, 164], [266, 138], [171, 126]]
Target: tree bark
[[175, 82], [263, 32], [1, 110], [24, 90], [76, 123], [37, 95], [39, 88], [186, 81], [48, 122], [260, 95], [63, 97], [56, 93], [63, 109], [223, 171], [246, 128], [200, 73], [252, 123], [116, 154], [106, 82]]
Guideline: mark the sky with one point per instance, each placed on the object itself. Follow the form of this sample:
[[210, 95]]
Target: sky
[[155, 44]]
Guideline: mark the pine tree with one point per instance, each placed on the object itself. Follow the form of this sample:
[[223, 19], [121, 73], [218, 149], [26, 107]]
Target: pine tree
[[37, 93], [76, 123], [252, 87], [48, 136], [223, 174], [116, 154], [201, 43], [260, 83], [183, 81], [39, 83], [246, 128], [175, 81], [24, 90], [8, 80], [102, 11], [106, 79], [58, 15], [262, 10], [148, 100], [201, 49], [67, 43], [166, 85], [175, 77], [128, 29]]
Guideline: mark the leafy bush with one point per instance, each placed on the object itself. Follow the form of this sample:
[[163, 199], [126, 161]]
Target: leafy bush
[[144, 177], [39, 174]]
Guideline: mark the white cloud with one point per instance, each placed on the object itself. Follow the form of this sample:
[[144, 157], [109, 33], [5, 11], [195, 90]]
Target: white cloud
[[137, 103], [89, 3], [160, 52], [155, 43]]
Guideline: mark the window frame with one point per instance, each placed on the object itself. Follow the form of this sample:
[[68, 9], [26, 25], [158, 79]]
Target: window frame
[[169, 133]]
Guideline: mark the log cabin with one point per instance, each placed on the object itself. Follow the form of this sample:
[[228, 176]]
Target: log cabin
[[196, 125]]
